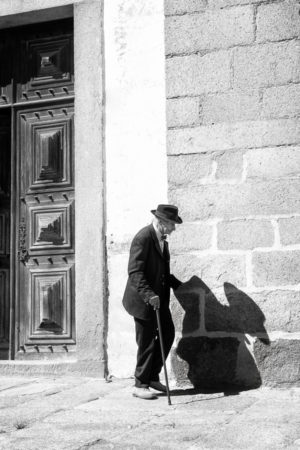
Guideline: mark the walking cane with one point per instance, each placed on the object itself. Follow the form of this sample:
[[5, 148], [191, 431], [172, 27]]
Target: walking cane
[[163, 354]]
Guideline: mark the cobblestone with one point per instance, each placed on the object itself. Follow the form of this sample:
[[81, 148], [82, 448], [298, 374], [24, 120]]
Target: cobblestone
[[91, 413]]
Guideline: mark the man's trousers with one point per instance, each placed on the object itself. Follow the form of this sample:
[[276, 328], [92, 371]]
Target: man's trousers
[[149, 358]]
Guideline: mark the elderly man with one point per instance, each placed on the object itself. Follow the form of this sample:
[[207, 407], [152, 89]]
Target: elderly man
[[147, 289]]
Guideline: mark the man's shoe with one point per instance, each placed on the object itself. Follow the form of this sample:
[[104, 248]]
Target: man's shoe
[[143, 393], [158, 386]]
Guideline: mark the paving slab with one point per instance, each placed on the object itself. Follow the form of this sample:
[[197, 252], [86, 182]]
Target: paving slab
[[80, 413]]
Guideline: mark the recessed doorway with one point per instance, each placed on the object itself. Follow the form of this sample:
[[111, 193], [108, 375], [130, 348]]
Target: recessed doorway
[[37, 191]]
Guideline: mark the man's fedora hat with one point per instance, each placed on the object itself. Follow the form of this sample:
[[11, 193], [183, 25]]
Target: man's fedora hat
[[167, 212]]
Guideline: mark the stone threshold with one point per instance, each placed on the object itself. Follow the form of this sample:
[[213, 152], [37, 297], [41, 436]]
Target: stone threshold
[[50, 368]]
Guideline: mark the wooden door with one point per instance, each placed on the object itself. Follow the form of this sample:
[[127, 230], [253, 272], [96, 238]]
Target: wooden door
[[46, 228], [4, 232], [43, 187]]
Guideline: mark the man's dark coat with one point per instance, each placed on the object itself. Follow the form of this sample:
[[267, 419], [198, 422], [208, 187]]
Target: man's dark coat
[[149, 274]]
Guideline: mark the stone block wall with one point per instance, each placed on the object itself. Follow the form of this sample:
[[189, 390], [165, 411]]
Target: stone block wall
[[233, 144]]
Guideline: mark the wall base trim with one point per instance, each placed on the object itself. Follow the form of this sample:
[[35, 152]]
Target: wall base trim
[[78, 368]]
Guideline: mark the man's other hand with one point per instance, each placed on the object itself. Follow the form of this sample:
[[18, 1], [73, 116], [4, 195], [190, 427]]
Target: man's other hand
[[155, 302]]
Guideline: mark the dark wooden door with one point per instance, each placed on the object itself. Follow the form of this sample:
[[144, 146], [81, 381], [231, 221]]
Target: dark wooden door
[[5, 131], [43, 189]]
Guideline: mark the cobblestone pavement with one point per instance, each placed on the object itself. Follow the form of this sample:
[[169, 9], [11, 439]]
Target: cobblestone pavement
[[87, 413]]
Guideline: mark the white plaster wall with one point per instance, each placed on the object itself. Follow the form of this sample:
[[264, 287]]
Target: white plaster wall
[[136, 162]]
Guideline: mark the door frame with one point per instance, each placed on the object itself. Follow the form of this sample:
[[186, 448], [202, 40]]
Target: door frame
[[90, 215]]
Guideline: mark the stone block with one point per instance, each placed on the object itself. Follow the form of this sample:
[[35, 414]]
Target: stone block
[[212, 30], [229, 166], [191, 236], [247, 374], [239, 314], [206, 362], [236, 201], [281, 309], [278, 268], [223, 3], [213, 269], [269, 163], [188, 169], [195, 74], [245, 234], [226, 136], [230, 107], [289, 230], [184, 6], [281, 101], [253, 313], [266, 65], [182, 111], [278, 362], [180, 369], [178, 316], [277, 21], [187, 306]]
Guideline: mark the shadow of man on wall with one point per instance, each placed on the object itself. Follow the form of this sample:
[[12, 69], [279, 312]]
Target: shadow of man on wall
[[214, 348]]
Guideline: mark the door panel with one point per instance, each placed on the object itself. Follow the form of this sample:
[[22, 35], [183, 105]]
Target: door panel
[[46, 70], [50, 228], [46, 239], [4, 233], [50, 293], [4, 313], [6, 69], [47, 136]]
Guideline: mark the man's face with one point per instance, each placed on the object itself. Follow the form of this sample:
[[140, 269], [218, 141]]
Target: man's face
[[167, 226]]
